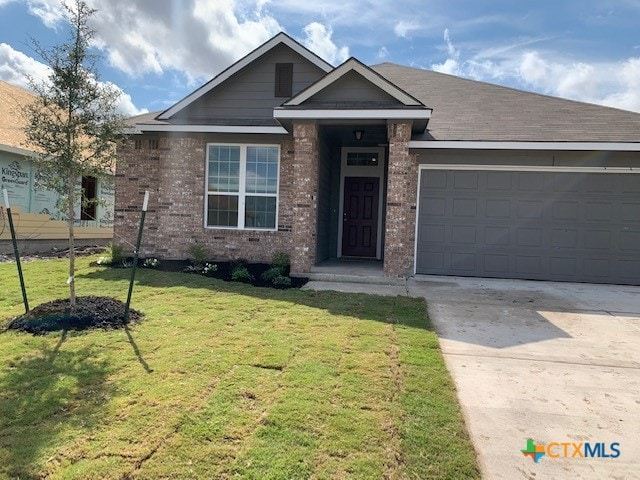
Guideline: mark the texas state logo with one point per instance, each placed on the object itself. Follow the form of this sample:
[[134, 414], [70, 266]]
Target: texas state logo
[[571, 450], [536, 452]]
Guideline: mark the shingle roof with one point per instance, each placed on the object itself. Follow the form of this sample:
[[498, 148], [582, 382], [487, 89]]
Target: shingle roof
[[468, 110], [12, 98]]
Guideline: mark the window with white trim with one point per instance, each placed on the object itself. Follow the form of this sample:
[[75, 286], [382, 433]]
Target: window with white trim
[[242, 186]]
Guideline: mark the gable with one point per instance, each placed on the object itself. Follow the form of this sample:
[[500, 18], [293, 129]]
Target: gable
[[249, 96], [352, 88]]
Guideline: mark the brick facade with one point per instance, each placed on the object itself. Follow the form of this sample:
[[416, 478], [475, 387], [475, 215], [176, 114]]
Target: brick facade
[[402, 187], [174, 173], [305, 196]]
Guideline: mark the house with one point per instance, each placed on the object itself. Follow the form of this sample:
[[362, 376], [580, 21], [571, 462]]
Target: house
[[39, 223], [424, 172]]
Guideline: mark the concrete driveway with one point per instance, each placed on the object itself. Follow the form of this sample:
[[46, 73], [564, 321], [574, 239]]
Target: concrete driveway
[[554, 362]]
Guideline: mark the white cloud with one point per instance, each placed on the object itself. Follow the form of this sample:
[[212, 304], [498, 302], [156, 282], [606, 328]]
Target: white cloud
[[196, 37], [49, 11], [615, 84], [382, 53], [318, 40], [16, 68], [452, 64], [403, 28]]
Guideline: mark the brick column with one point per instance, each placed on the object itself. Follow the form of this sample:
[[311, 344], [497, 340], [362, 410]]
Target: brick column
[[401, 202], [305, 194]]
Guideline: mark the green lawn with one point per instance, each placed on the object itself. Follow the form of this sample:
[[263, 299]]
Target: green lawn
[[226, 380]]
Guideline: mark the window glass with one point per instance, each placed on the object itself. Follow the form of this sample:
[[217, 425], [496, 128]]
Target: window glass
[[260, 212], [242, 186], [223, 211], [262, 170], [362, 159], [224, 168]]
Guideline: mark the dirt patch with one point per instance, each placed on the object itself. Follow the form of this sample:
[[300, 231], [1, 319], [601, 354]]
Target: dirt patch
[[53, 253], [91, 313]]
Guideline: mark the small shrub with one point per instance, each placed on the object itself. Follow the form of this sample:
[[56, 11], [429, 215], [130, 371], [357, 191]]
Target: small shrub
[[241, 274], [271, 274], [281, 281], [151, 263], [239, 263], [104, 261], [127, 263], [209, 269], [281, 259], [197, 254], [114, 255]]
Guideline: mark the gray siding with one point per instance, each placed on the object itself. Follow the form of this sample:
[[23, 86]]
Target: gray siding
[[250, 94], [352, 88]]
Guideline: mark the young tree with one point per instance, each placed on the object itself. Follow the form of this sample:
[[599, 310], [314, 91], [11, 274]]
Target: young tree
[[73, 124]]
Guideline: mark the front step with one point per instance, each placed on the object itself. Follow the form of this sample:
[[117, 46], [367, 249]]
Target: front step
[[345, 278]]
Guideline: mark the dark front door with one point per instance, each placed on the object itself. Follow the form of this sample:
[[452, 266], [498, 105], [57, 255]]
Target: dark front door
[[360, 218]]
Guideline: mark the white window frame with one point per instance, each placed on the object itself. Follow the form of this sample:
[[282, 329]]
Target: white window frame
[[241, 193]]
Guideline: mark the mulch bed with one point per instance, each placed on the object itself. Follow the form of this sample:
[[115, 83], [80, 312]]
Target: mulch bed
[[91, 313], [225, 269]]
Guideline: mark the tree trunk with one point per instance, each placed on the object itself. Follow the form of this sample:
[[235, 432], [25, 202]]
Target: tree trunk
[[72, 246]]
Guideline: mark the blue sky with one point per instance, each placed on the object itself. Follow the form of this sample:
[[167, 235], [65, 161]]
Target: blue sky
[[157, 51]]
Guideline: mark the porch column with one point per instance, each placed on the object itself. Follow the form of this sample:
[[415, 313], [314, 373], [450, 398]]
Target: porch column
[[401, 202], [305, 195]]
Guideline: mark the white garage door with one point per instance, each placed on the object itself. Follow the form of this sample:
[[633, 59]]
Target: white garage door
[[582, 227]]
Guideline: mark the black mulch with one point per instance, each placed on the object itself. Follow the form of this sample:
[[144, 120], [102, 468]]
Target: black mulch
[[91, 313]]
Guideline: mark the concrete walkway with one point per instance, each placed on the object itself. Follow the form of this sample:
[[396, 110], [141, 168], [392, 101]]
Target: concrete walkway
[[554, 362]]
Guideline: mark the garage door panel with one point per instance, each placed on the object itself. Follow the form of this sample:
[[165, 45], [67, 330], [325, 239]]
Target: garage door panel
[[631, 212], [463, 234], [465, 180], [433, 206], [528, 265], [563, 266], [525, 184], [629, 269], [599, 211], [630, 241], [463, 262], [499, 181], [496, 264], [498, 208], [530, 225], [564, 238], [600, 183], [597, 240], [433, 233], [528, 209], [630, 184], [465, 207], [597, 267], [566, 210], [435, 180], [496, 235]]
